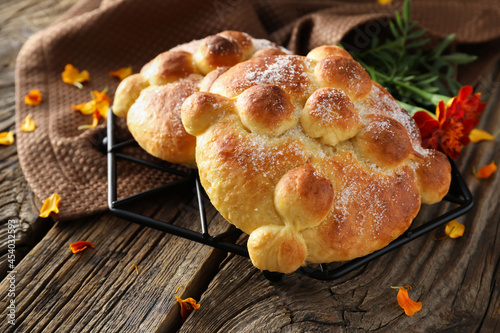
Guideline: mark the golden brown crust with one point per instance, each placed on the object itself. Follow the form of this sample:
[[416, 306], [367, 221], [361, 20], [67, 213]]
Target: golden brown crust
[[304, 197], [217, 51], [325, 51], [268, 52], [384, 141], [127, 92], [209, 56], [291, 73], [201, 109], [276, 248], [170, 66], [209, 79], [345, 74], [163, 135], [370, 210], [329, 114], [266, 109], [243, 40], [433, 175], [342, 181]]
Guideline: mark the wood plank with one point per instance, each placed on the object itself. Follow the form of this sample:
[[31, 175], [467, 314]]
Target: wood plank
[[19, 19], [457, 280], [99, 289]]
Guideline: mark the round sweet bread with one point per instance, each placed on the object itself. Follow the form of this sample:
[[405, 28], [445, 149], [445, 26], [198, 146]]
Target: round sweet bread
[[311, 158], [151, 99]]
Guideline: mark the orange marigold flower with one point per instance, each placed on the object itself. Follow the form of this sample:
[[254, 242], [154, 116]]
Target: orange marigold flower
[[28, 124], [187, 306], [487, 170], [98, 107], [477, 135], [411, 307], [73, 76], [34, 97], [121, 73], [449, 130], [80, 246], [6, 138], [384, 2], [472, 106], [51, 204], [454, 229]]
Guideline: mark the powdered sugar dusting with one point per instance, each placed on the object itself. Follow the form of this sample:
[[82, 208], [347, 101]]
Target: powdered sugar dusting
[[283, 71], [382, 103], [264, 156], [260, 44], [363, 200], [326, 107]]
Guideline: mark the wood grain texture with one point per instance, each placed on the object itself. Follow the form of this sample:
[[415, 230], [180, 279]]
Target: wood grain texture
[[457, 280], [99, 289], [19, 19]]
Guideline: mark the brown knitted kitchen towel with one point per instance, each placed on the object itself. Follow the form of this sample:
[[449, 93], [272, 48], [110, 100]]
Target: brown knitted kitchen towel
[[102, 36]]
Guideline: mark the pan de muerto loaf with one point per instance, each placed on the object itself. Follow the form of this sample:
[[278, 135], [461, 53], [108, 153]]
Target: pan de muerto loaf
[[151, 99], [311, 158]]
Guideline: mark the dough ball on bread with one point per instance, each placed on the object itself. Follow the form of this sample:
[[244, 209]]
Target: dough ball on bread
[[155, 124], [316, 162]]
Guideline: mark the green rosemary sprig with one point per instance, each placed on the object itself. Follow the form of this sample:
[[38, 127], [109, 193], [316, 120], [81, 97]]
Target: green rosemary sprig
[[414, 76]]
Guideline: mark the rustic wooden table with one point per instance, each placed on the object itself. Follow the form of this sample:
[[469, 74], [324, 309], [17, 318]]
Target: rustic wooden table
[[457, 280]]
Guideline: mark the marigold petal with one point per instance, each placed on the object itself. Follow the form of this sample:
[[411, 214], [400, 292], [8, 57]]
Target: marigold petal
[[477, 135], [464, 92], [487, 170], [454, 229], [384, 2], [34, 97], [85, 108], [51, 204], [411, 307], [103, 108], [121, 73], [73, 76], [28, 124], [6, 138], [426, 123], [100, 96], [95, 121], [187, 306], [80, 246]]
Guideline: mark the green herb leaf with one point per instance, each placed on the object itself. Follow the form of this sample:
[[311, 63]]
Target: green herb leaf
[[402, 64], [458, 58]]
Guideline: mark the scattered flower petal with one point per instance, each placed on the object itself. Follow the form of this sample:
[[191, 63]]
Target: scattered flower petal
[[487, 170], [51, 204], [136, 269], [73, 76], [411, 307], [454, 229], [6, 138], [121, 73], [98, 107], [179, 287], [85, 108], [80, 246], [34, 97], [477, 135], [28, 124], [187, 306]]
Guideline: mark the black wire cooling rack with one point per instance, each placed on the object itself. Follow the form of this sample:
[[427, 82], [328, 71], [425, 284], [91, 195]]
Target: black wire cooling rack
[[459, 195]]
